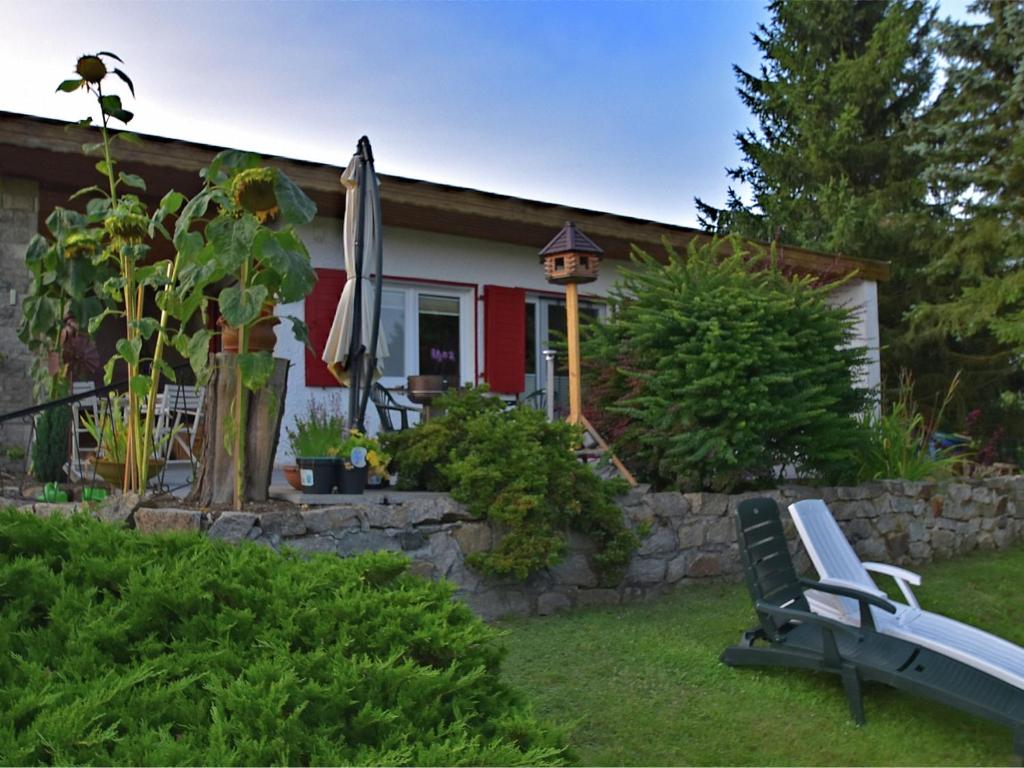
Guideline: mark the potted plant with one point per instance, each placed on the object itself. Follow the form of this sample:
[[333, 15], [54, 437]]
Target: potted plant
[[359, 458], [110, 433], [316, 443]]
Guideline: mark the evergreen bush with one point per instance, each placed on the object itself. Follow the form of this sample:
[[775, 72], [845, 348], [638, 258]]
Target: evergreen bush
[[717, 371], [117, 649], [518, 469], [50, 449]]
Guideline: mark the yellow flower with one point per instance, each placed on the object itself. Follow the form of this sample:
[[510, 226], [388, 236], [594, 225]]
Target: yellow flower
[[253, 190]]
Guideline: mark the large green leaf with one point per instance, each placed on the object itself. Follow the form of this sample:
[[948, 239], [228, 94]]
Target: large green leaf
[[300, 331], [285, 254], [232, 240], [296, 207], [171, 203], [139, 384], [197, 348], [130, 350], [36, 250], [227, 163], [70, 85], [132, 180], [195, 209], [255, 369], [240, 306], [146, 326]]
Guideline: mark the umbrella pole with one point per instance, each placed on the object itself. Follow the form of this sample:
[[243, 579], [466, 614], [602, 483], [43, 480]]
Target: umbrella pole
[[378, 271], [355, 361]]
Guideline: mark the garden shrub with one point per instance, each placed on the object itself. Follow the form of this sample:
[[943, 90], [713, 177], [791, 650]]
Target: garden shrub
[[176, 650], [718, 370], [518, 469], [50, 449]]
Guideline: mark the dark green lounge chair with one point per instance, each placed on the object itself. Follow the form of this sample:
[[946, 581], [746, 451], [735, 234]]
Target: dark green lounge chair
[[790, 635]]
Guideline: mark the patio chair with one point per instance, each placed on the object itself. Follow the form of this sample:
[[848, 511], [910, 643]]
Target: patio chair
[[385, 404], [87, 405], [837, 563], [179, 411], [790, 634]]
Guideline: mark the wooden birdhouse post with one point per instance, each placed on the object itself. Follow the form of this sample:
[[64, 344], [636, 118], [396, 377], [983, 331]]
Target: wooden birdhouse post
[[569, 259]]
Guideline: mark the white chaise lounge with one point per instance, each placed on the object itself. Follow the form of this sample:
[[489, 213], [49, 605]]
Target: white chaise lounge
[[837, 563]]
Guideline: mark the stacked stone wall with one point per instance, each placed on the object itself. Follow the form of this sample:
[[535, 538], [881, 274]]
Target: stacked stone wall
[[19, 214], [689, 539]]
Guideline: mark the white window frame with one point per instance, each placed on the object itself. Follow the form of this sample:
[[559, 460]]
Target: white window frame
[[467, 336]]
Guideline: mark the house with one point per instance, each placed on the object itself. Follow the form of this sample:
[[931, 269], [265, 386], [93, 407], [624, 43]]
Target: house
[[463, 292]]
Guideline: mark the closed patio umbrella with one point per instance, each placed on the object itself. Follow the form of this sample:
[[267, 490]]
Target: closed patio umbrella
[[356, 327]]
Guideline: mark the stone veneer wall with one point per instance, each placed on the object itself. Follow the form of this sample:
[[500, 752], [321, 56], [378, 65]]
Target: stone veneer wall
[[19, 213], [690, 537]]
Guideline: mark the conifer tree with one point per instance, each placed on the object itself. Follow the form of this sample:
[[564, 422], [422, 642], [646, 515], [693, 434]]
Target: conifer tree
[[835, 164], [974, 141]]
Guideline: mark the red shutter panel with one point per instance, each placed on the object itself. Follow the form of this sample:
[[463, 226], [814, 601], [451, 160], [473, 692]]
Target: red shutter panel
[[505, 339], [321, 304]]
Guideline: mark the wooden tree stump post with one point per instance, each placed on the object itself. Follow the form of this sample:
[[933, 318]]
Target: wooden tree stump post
[[215, 479]]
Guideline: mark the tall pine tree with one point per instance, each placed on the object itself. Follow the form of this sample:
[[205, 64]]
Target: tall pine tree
[[834, 164], [975, 147]]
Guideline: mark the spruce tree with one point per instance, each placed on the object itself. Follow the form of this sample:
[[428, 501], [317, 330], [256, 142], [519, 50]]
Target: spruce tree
[[974, 141], [834, 164]]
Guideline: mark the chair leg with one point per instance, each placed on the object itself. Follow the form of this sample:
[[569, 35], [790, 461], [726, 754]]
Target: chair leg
[[851, 684]]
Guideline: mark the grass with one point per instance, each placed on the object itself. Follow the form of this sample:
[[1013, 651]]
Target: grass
[[642, 684]]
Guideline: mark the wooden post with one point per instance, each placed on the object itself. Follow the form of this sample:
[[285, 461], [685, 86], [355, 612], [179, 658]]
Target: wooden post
[[572, 326]]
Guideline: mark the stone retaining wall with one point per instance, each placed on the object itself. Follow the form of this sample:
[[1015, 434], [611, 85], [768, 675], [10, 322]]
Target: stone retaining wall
[[690, 537]]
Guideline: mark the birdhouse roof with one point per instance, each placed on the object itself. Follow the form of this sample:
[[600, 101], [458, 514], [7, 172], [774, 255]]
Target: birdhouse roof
[[570, 238]]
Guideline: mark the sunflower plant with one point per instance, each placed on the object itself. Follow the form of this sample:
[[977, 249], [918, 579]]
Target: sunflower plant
[[241, 230], [234, 242]]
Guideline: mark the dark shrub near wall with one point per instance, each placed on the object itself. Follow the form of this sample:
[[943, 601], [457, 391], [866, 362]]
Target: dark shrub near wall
[[714, 371], [119, 649]]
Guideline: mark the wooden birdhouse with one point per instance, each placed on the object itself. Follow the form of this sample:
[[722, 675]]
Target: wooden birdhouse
[[571, 257]]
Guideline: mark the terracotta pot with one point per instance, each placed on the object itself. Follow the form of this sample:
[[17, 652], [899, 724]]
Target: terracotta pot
[[262, 337], [291, 474], [113, 471]]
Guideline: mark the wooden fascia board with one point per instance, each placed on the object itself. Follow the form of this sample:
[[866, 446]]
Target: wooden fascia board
[[322, 178]]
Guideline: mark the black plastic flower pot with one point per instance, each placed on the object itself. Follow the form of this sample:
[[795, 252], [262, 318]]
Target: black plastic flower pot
[[352, 480], [317, 475]]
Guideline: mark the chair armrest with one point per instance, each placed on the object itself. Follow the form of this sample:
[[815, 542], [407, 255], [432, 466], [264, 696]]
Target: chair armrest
[[902, 576], [806, 617], [865, 599]]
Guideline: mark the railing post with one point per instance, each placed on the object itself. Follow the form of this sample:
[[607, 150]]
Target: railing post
[[549, 386]]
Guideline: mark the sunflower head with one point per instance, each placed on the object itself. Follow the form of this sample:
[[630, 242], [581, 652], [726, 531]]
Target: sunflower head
[[91, 68], [127, 226], [80, 245], [253, 190]]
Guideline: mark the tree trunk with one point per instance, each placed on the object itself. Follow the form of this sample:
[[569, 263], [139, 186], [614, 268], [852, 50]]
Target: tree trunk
[[215, 480]]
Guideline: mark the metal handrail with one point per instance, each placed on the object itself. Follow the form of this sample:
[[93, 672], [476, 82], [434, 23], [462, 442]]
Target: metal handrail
[[116, 386]]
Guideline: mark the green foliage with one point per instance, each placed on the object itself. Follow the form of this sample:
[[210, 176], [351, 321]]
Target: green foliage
[[518, 469], [974, 145], [717, 370], [50, 449], [319, 433], [899, 441], [119, 649], [837, 160]]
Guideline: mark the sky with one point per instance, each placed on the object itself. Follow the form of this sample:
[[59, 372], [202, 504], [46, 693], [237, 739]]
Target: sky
[[625, 107]]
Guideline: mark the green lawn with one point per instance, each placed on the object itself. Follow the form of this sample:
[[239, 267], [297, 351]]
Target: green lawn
[[642, 684]]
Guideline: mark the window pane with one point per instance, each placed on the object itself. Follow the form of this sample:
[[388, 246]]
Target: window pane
[[392, 324], [439, 335]]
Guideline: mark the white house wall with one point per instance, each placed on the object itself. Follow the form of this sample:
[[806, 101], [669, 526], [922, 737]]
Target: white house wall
[[862, 297], [415, 255]]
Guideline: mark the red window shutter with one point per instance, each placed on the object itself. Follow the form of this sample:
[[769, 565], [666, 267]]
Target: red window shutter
[[505, 339], [321, 304]]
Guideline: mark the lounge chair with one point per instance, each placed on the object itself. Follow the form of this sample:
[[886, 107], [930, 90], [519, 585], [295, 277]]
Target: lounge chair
[[790, 634]]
